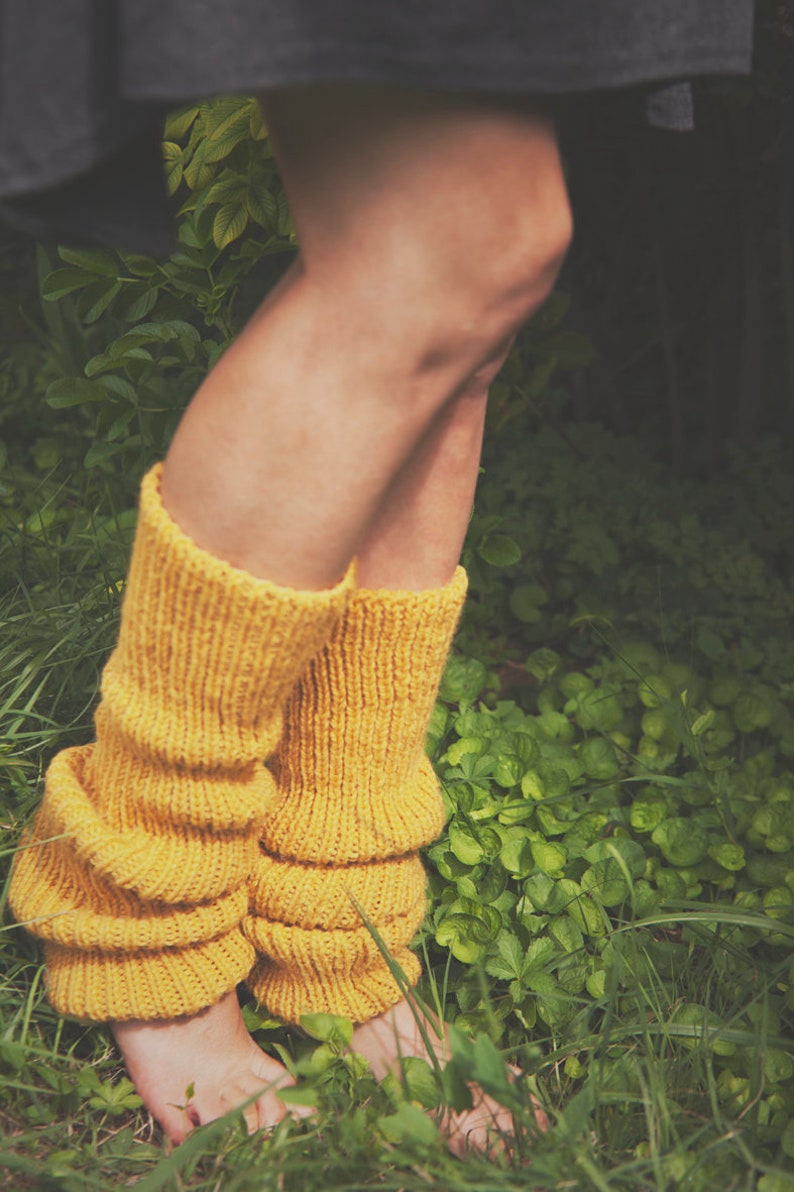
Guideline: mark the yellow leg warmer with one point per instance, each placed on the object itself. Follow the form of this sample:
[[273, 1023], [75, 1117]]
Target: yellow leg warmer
[[357, 798], [136, 870]]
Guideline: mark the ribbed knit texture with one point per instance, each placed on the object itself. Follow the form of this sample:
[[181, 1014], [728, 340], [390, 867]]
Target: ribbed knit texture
[[357, 798], [136, 868]]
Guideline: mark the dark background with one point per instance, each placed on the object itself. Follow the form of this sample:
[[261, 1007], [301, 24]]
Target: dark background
[[682, 269]]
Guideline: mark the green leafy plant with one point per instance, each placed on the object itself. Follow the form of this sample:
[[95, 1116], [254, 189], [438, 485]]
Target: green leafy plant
[[613, 897]]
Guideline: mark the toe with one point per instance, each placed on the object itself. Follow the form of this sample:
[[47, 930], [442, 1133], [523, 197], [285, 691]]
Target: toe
[[270, 1109], [176, 1121]]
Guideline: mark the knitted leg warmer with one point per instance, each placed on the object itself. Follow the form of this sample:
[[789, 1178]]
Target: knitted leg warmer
[[135, 872], [357, 797]]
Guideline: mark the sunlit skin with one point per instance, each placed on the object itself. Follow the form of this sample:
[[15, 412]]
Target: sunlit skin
[[347, 419]]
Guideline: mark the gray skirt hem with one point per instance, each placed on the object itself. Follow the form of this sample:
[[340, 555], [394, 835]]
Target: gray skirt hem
[[378, 67]]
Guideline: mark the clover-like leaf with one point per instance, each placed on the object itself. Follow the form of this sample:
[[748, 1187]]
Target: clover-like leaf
[[549, 858], [681, 842]]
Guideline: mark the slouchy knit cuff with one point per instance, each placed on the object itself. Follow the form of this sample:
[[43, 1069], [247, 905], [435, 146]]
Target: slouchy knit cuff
[[136, 867], [356, 799]]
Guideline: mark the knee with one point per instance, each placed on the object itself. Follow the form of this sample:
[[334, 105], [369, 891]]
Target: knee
[[521, 262], [490, 275]]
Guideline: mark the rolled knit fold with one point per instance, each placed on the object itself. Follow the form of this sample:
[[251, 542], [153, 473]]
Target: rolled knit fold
[[357, 798], [135, 870], [101, 985]]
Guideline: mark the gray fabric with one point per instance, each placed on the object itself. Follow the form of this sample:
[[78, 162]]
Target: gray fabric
[[61, 104], [549, 46], [84, 84], [671, 107]]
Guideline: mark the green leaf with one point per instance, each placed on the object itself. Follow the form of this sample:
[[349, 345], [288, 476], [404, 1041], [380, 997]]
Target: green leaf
[[316, 1063], [750, 712], [174, 166], [464, 747], [787, 1140], [567, 933], [516, 856], [702, 723], [647, 814], [596, 984], [729, 856], [46, 453], [778, 1065], [73, 391], [606, 883], [509, 963], [420, 1082], [526, 601], [627, 853], [655, 690], [92, 260], [142, 305], [681, 842], [575, 1118], [499, 550], [543, 664], [328, 1028], [230, 222], [705, 1028], [226, 115], [64, 281], [544, 893], [139, 265], [262, 208], [410, 1128], [101, 451], [540, 954], [459, 934], [465, 843], [570, 349], [180, 122], [598, 709], [490, 1072], [120, 386], [776, 1181], [507, 770], [597, 755], [96, 298], [549, 858], [301, 1095], [457, 1093], [584, 912], [463, 680], [778, 902]]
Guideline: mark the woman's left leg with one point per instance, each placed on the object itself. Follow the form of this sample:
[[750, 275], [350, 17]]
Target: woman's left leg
[[416, 543], [416, 539], [408, 600]]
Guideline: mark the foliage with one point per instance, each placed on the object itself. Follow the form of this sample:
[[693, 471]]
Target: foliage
[[613, 892], [127, 339]]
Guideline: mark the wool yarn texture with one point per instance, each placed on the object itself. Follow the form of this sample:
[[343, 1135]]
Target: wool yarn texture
[[136, 870], [356, 798]]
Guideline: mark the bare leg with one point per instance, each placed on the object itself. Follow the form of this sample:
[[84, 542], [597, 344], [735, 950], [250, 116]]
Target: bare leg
[[415, 543], [410, 280], [416, 538], [413, 273]]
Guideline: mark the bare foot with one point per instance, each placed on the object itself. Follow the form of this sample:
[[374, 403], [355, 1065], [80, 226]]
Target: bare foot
[[395, 1035], [209, 1053]]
